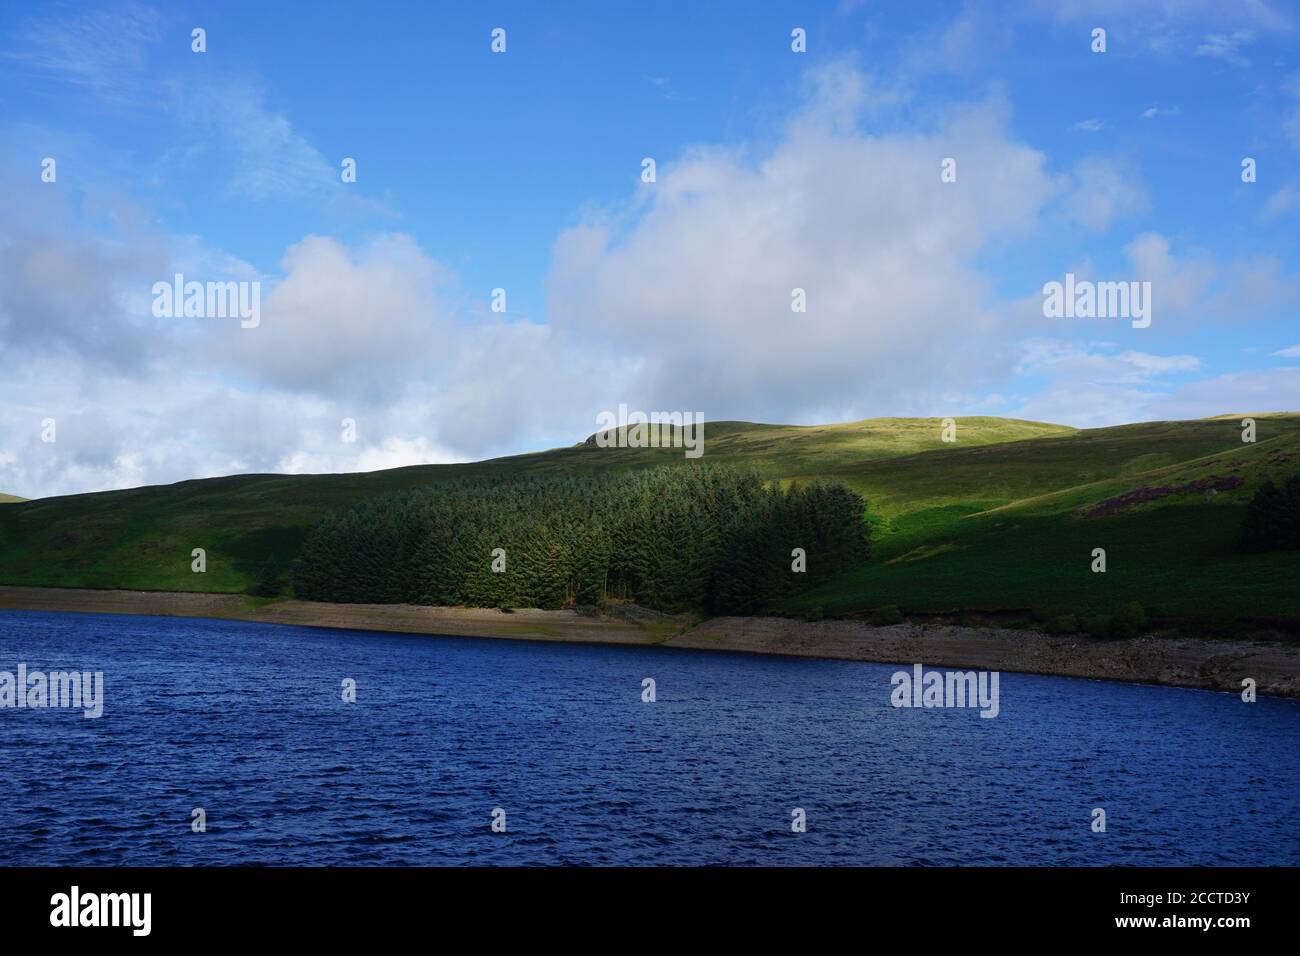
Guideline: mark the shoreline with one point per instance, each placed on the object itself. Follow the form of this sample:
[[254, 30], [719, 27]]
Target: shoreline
[[1205, 664]]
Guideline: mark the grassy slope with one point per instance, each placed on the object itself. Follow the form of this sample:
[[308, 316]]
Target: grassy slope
[[142, 538], [992, 522], [10, 499], [1006, 527]]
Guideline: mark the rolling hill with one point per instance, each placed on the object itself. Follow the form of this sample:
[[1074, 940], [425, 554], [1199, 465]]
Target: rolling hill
[[10, 499], [1015, 530], [1002, 520]]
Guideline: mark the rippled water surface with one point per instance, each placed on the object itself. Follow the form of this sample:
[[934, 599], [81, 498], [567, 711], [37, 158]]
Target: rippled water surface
[[246, 721]]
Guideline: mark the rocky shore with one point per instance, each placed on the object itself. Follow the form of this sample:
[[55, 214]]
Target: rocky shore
[[1210, 663]]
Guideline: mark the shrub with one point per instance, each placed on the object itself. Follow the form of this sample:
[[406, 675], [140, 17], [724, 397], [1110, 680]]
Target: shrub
[[268, 581], [816, 614], [1097, 625], [885, 615], [1272, 520], [1064, 624], [1129, 621]]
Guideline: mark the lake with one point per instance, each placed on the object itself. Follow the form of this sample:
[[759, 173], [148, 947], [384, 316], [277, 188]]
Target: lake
[[247, 722]]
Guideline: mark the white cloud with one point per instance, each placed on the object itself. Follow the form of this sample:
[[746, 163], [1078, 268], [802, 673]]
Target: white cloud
[[963, 44], [268, 156], [391, 452], [1194, 288], [103, 51], [699, 284], [678, 298], [1291, 122], [1093, 384], [1102, 190], [371, 333], [108, 54], [1090, 126], [1227, 46], [1269, 390], [1178, 286], [67, 288], [1281, 202], [1169, 26], [1099, 362], [341, 323]]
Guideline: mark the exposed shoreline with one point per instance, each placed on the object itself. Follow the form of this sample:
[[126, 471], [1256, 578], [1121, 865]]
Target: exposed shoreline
[[1209, 664]]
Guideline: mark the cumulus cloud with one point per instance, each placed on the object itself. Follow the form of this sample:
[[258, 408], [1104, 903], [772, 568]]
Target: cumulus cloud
[[1179, 284], [373, 332], [699, 285], [342, 322], [67, 288], [1192, 288], [678, 298], [124, 431]]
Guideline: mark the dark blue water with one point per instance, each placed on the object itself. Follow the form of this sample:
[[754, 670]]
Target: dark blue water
[[247, 722]]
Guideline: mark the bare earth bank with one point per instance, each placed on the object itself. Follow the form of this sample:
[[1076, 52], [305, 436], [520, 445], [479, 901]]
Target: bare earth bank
[[1155, 659]]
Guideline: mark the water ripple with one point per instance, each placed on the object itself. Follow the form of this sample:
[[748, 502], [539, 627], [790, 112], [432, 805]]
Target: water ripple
[[247, 722]]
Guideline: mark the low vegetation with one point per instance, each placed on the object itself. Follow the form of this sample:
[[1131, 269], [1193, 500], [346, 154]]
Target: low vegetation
[[1273, 518]]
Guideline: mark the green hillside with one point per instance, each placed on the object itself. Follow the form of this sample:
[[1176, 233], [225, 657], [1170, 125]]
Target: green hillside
[[142, 538], [1013, 527], [1004, 519], [10, 499]]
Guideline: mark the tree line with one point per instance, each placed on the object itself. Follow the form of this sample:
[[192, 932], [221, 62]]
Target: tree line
[[700, 537]]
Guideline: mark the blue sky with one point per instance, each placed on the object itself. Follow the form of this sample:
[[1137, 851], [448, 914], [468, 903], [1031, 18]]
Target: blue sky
[[521, 170]]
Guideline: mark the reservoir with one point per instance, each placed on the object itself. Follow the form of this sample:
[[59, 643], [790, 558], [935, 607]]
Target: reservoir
[[248, 723]]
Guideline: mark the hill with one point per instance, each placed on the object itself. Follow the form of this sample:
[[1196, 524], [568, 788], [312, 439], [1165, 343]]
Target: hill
[[142, 538], [1002, 520], [1012, 528]]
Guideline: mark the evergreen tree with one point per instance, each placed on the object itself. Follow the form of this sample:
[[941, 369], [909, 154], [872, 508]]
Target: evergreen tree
[[701, 537]]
